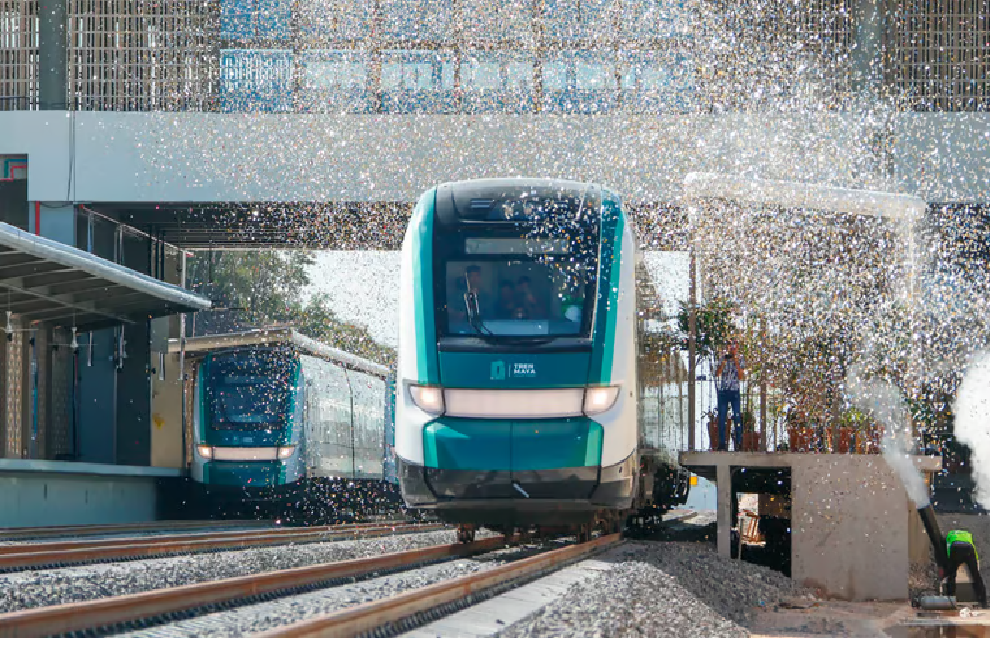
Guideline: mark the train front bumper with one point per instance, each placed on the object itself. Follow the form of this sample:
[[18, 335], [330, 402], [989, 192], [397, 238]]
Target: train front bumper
[[577, 489]]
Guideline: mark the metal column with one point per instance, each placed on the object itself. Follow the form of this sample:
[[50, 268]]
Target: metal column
[[867, 56], [52, 54]]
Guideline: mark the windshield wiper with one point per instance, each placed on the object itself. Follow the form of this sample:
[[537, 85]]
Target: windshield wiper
[[474, 316]]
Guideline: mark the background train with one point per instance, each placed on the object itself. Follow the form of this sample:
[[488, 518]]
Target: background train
[[517, 397], [282, 425]]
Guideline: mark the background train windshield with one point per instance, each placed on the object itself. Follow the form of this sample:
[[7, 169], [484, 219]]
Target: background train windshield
[[249, 390]]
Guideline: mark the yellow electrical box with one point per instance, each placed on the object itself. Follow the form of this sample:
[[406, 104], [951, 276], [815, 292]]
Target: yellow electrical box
[[694, 480]]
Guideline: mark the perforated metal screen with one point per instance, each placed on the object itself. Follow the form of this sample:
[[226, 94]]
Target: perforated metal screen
[[470, 56], [18, 54]]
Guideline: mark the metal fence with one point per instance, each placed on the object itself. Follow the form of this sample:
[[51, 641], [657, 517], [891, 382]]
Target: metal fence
[[19, 54], [142, 54], [938, 53]]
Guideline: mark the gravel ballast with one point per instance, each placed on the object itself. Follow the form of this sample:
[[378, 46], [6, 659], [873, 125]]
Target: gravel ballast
[[28, 589], [662, 590], [252, 619]]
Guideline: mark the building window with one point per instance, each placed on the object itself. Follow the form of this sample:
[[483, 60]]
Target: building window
[[334, 20], [655, 82], [333, 81], [417, 20], [493, 81], [580, 82], [256, 80], [578, 19], [242, 20], [418, 81]]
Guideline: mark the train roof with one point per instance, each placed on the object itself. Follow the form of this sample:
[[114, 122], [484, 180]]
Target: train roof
[[282, 336]]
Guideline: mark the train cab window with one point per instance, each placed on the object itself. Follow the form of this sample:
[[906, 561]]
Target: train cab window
[[515, 298], [249, 392], [516, 262]]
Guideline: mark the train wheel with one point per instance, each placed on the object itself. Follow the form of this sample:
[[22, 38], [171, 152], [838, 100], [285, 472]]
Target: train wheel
[[465, 533]]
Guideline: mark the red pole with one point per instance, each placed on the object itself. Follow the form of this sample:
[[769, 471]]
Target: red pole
[[37, 218]]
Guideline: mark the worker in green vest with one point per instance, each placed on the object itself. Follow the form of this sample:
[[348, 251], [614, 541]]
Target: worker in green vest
[[960, 548]]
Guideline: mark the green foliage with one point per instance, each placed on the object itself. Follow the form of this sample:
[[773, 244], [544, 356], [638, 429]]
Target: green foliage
[[318, 321], [256, 288], [713, 325], [264, 284], [854, 418]]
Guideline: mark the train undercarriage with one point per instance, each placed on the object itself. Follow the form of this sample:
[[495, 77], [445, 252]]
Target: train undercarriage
[[657, 487]]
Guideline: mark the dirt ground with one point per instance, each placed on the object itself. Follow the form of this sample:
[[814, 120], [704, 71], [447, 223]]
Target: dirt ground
[[830, 618]]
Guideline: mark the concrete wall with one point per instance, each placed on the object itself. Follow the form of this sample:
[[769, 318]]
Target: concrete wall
[[166, 415], [190, 157], [50, 493], [850, 527]]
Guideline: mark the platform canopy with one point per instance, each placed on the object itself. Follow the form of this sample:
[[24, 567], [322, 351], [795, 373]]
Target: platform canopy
[[277, 336], [792, 194], [43, 280]]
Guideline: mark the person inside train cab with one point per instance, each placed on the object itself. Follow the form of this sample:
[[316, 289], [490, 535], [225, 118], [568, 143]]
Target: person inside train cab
[[456, 312], [526, 299], [505, 307], [475, 282]]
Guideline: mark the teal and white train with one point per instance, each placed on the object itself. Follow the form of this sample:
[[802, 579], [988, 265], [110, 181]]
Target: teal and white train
[[275, 412], [517, 399]]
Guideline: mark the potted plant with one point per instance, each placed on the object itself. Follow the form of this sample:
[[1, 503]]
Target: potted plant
[[800, 433], [712, 425], [750, 436]]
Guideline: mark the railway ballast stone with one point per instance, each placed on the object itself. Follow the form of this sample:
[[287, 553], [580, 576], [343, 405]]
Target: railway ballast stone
[[662, 590], [27, 589]]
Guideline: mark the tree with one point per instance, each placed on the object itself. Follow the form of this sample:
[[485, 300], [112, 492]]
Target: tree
[[318, 321], [713, 326], [256, 288]]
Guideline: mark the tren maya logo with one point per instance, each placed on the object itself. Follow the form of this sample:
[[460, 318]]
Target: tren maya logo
[[498, 370]]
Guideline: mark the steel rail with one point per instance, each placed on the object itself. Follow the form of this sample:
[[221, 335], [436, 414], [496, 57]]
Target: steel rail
[[104, 612], [365, 619], [141, 549], [46, 546], [14, 533]]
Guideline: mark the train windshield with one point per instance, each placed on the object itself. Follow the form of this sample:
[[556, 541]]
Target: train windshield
[[249, 390], [522, 270]]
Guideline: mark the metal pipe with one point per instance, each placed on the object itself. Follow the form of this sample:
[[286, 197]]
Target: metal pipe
[[927, 514], [692, 351]]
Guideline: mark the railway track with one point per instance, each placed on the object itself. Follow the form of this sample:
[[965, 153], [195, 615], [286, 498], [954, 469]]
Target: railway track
[[66, 553], [163, 526], [391, 616], [105, 615]]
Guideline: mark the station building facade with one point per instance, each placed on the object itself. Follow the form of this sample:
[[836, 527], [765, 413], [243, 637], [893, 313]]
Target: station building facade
[[134, 130]]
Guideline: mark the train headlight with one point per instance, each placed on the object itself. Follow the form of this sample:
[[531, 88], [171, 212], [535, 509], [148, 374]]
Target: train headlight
[[599, 399], [205, 452], [427, 399], [286, 452]]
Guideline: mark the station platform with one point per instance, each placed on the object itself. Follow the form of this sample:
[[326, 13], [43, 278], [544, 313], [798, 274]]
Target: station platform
[[853, 530], [36, 492]]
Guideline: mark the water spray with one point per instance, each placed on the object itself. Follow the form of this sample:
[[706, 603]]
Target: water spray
[[972, 426]]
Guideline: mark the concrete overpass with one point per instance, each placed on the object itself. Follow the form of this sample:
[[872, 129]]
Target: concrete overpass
[[346, 182]]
